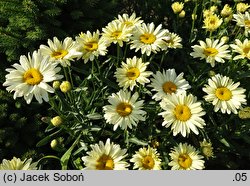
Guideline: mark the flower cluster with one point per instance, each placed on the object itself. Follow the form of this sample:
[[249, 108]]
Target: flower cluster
[[119, 100]]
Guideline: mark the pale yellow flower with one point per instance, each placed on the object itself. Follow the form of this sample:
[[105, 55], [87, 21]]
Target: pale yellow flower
[[224, 94], [146, 159], [212, 22], [108, 156], [116, 32], [185, 157], [31, 78], [177, 7], [212, 51], [91, 45], [206, 149], [183, 113], [242, 48], [243, 20], [226, 11], [132, 72], [18, 164], [242, 7]]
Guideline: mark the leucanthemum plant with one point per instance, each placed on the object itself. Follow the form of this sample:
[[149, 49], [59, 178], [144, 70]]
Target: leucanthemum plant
[[136, 95]]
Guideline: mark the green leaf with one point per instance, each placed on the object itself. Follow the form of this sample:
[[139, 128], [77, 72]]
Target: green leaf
[[137, 141], [47, 139], [67, 154]]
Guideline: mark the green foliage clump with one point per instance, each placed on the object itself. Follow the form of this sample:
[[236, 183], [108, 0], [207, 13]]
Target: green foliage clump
[[27, 23]]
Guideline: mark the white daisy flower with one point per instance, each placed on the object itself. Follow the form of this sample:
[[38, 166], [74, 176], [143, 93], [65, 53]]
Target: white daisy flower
[[129, 21], [242, 48], [224, 94], [91, 45], [183, 113], [116, 32], [61, 52], [186, 157], [124, 110], [174, 41], [18, 164], [243, 20], [108, 156], [31, 77], [131, 72], [146, 159], [148, 39], [212, 51], [168, 82]]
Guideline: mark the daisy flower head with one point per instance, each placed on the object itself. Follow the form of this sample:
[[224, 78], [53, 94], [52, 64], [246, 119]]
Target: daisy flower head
[[148, 39], [108, 156], [206, 149], [186, 157], [242, 7], [61, 52], [146, 159], [124, 111], [226, 11], [212, 51], [31, 77], [130, 21], [131, 72], [183, 113], [18, 164], [243, 20], [174, 41], [168, 82], [116, 32], [242, 48], [224, 94], [212, 22], [91, 45]]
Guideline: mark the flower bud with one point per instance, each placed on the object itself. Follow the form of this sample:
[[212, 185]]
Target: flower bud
[[65, 86], [177, 7], [56, 84], [56, 121], [182, 14]]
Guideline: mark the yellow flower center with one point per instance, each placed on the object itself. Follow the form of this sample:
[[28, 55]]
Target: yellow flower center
[[184, 161], [169, 87], [223, 93], [133, 73], [182, 112], [91, 46], [210, 51], [105, 162], [32, 77], [147, 38], [247, 23], [124, 109], [148, 162], [116, 34], [246, 50], [59, 54]]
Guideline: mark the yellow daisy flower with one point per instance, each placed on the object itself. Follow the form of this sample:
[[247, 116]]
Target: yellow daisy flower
[[146, 159], [183, 113], [224, 94], [186, 157], [131, 72], [108, 156]]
